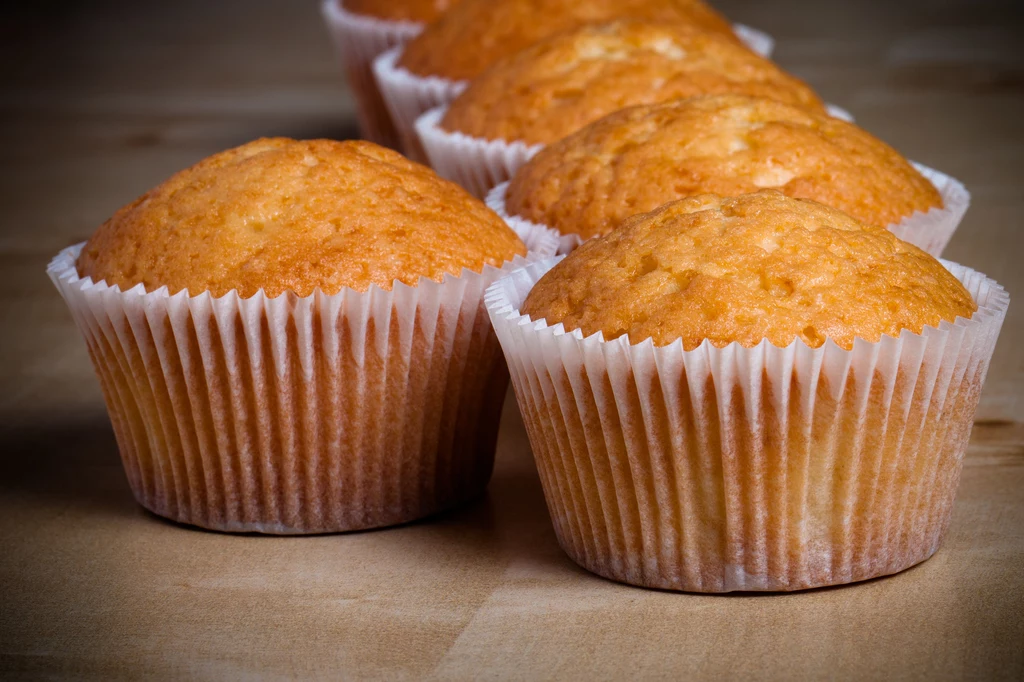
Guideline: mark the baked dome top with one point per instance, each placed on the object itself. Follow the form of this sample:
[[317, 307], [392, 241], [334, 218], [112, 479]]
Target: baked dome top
[[637, 159], [474, 34], [557, 86], [744, 269], [286, 215]]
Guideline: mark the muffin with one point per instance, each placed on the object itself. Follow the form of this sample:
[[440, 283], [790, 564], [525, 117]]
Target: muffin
[[466, 41], [362, 30], [290, 338], [637, 159], [750, 393], [557, 86]]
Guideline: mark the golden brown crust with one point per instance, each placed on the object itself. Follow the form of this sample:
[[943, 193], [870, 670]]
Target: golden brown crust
[[286, 215], [477, 33], [638, 159], [560, 85], [424, 11], [759, 266]]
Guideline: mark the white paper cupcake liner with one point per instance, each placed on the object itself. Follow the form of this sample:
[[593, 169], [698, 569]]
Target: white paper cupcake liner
[[932, 230], [836, 111], [479, 164], [476, 164], [758, 41], [765, 468], [929, 231], [495, 200], [359, 40], [295, 415], [409, 96]]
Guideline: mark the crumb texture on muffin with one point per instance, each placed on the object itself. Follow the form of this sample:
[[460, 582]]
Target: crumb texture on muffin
[[560, 85], [424, 11], [637, 159], [464, 42], [285, 215], [744, 269]]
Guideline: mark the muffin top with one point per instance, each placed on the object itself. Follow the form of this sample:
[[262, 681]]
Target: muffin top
[[286, 215], [476, 33], [758, 266], [424, 11], [638, 159], [560, 85]]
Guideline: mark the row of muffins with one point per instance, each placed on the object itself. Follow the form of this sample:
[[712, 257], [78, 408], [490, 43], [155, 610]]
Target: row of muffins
[[610, 111], [748, 393], [543, 71], [463, 43]]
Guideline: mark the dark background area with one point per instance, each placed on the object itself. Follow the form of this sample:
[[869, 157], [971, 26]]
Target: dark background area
[[102, 100]]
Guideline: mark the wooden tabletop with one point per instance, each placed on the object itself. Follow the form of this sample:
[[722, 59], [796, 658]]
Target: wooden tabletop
[[101, 102]]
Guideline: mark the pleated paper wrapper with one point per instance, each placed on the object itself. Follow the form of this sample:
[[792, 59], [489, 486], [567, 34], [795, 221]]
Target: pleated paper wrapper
[[480, 164], [297, 415], [836, 111], [496, 202], [409, 96], [359, 39], [475, 163], [758, 41], [765, 468], [930, 231]]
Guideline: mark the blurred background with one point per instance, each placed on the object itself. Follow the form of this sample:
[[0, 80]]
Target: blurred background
[[102, 100]]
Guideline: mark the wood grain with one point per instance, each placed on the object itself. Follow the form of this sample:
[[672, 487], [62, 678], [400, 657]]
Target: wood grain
[[100, 102]]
